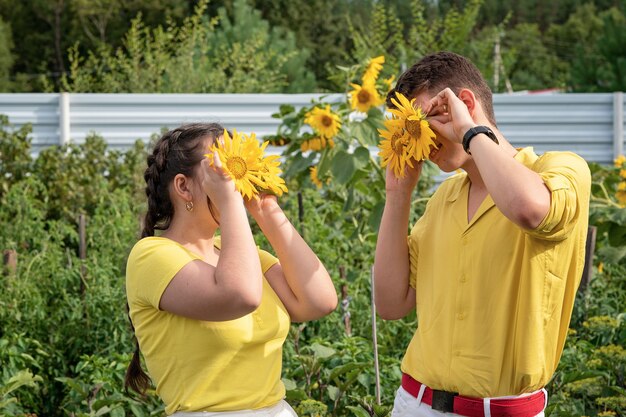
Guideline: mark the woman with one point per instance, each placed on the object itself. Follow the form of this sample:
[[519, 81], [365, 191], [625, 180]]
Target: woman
[[211, 313]]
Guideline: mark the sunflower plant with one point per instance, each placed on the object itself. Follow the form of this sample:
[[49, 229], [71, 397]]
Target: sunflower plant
[[244, 161], [331, 145], [607, 210]]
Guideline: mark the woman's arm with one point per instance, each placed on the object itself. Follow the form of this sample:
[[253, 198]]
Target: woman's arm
[[300, 279]]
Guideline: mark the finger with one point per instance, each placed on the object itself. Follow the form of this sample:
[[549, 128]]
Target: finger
[[437, 105], [441, 118], [216, 161]]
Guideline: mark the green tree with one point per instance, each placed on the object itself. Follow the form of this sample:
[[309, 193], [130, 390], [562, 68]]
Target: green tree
[[319, 26], [533, 66], [43, 31], [593, 44], [405, 43], [543, 13], [274, 47], [6, 55], [201, 55]]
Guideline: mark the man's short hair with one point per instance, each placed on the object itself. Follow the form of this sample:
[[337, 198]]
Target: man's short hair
[[437, 71]]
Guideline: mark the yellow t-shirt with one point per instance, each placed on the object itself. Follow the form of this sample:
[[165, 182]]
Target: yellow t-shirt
[[493, 300], [202, 365]]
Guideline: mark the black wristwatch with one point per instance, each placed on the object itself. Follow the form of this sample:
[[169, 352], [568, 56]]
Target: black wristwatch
[[469, 135]]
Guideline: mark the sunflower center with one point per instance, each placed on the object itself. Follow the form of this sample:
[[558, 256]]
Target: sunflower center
[[413, 127], [327, 121], [396, 144], [237, 166], [363, 96]]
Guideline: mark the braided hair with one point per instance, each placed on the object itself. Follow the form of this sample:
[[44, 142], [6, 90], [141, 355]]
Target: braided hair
[[176, 152]]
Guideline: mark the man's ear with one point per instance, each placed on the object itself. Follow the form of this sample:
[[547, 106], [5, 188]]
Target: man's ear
[[182, 187], [468, 97]]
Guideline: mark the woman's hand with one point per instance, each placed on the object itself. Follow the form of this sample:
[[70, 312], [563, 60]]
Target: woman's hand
[[262, 207], [216, 183]]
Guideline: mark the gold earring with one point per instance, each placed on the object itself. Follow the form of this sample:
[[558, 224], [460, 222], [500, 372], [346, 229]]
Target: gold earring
[[189, 205]]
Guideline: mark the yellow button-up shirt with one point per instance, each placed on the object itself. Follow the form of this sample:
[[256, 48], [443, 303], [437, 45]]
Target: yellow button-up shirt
[[493, 300]]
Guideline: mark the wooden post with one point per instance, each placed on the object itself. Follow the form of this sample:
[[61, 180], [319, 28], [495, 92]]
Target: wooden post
[[301, 214], [375, 338], [590, 247], [10, 261], [82, 235], [82, 250], [345, 301]]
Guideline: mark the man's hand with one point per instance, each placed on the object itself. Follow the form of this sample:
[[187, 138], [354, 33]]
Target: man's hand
[[406, 185], [449, 115]]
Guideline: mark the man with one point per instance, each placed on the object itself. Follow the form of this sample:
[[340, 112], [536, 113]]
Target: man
[[492, 266]]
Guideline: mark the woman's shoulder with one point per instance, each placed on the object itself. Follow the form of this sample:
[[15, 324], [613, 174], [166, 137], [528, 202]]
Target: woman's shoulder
[[161, 247]]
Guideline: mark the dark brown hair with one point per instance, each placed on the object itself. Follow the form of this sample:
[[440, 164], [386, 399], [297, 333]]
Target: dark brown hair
[[437, 71], [176, 152]]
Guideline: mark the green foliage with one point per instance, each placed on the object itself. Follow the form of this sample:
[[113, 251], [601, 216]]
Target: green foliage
[[64, 335], [15, 159], [528, 63], [319, 27], [252, 48], [98, 389], [19, 382], [6, 55], [597, 63], [202, 55], [404, 42], [54, 299], [304, 41]]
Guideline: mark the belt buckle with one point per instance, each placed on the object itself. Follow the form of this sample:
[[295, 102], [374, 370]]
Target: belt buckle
[[443, 401]]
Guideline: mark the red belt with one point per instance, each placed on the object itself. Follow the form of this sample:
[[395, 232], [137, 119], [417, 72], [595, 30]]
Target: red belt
[[528, 406]]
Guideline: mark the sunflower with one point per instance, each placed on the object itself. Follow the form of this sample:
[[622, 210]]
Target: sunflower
[[323, 121], [414, 122], [316, 144], [373, 69], [389, 81], [270, 174], [621, 193], [314, 178], [395, 150], [365, 96], [241, 158]]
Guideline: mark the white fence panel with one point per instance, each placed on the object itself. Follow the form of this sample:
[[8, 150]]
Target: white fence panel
[[591, 125]]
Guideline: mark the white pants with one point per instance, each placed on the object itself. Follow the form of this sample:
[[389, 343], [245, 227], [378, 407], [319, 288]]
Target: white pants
[[281, 409], [406, 405]]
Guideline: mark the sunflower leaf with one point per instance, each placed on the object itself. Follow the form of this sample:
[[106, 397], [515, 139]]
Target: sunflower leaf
[[343, 167]]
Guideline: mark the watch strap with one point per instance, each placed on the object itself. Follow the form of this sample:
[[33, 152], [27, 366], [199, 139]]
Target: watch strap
[[473, 131]]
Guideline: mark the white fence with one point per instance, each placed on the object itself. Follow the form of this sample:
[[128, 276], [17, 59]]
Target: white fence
[[591, 125]]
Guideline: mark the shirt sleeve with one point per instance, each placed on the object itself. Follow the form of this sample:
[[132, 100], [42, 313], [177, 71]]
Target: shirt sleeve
[[567, 177], [151, 266], [267, 260]]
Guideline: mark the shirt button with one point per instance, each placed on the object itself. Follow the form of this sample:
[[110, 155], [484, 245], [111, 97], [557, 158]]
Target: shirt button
[[460, 316], [464, 241], [463, 278]]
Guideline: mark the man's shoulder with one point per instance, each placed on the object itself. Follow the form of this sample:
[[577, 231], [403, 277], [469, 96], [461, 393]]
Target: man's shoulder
[[564, 160], [560, 157]]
